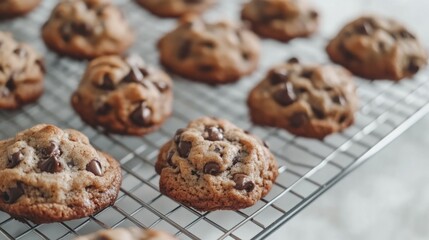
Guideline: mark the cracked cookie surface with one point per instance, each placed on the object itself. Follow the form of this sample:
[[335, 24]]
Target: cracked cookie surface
[[310, 101], [13, 8], [124, 95], [213, 53], [212, 165], [51, 175], [281, 19], [378, 48], [127, 234], [176, 8], [21, 73], [86, 29]]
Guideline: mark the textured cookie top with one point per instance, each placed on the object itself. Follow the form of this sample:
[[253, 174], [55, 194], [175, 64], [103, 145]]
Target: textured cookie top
[[210, 52], [281, 19], [212, 164], [176, 8], [49, 174], [90, 27], [11, 8], [123, 94], [127, 234], [20, 69], [377, 47], [294, 95]]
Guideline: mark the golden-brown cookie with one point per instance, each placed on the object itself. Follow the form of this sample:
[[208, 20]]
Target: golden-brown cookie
[[13, 8], [176, 8]]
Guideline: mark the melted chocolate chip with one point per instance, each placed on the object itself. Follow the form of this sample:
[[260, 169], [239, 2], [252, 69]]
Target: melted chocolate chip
[[95, 167], [413, 66], [265, 144], [307, 74], [185, 49], [245, 55], [82, 28], [107, 83], [52, 150], [212, 168], [10, 84], [104, 108], [343, 118], [178, 134], [66, 32], [184, 148], [205, 68], [286, 95], [20, 52], [298, 119], [365, 28], [134, 76], [339, 100], [51, 165], [279, 76], [236, 159], [346, 53], [314, 14], [13, 194], [142, 115], [14, 159], [214, 133], [318, 113], [293, 60], [208, 44], [241, 183], [170, 159]]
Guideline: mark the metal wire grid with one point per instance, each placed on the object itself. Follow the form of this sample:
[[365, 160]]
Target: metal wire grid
[[307, 167]]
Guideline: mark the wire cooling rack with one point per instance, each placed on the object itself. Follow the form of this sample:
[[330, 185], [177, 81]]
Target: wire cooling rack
[[307, 167]]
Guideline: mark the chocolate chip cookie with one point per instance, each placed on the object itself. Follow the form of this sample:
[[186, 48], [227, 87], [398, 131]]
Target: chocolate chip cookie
[[127, 234], [21, 73], [378, 48], [123, 95], [176, 8], [51, 175], [213, 53], [214, 165], [281, 19], [13, 8], [87, 29], [309, 101]]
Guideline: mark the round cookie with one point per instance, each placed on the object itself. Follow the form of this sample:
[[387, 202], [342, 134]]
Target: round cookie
[[378, 48], [213, 53], [309, 101], [127, 234], [123, 95], [176, 8], [13, 8], [52, 175], [86, 29], [21, 73], [282, 20], [214, 165]]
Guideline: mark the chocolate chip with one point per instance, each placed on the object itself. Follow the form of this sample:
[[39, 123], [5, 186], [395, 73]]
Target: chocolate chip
[[185, 49], [278, 76], [212, 168], [298, 119], [245, 55], [95, 167], [103, 108], [208, 44], [184, 148], [405, 34], [66, 32], [365, 28], [51, 164], [413, 66], [293, 60], [41, 64], [170, 159], [14, 159], [265, 144], [13, 194], [178, 134], [300, 90], [286, 95], [343, 118], [382, 46], [142, 115], [20, 52], [1, 68], [314, 14], [346, 53], [82, 28], [161, 86], [134, 75], [52, 150], [339, 100], [107, 83], [205, 68], [193, 1], [10, 84], [214, 133], [144, 71], [307, 74], [318, 112], [241, 183], [236, 159]]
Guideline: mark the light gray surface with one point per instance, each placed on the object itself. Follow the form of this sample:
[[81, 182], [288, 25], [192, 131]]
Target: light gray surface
[[386, 198]]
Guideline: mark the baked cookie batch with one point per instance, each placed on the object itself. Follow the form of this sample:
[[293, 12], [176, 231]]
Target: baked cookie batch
[[50, 174]]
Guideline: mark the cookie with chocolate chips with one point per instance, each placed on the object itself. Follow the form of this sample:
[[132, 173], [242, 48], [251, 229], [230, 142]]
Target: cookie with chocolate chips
[[127, 234], [13, 8], [310, 101], [213, 53], [86, 29], [21, 73], [52, 175], [176, 8], [378, 48], [282, 20], [123, 95], [213, 165]]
